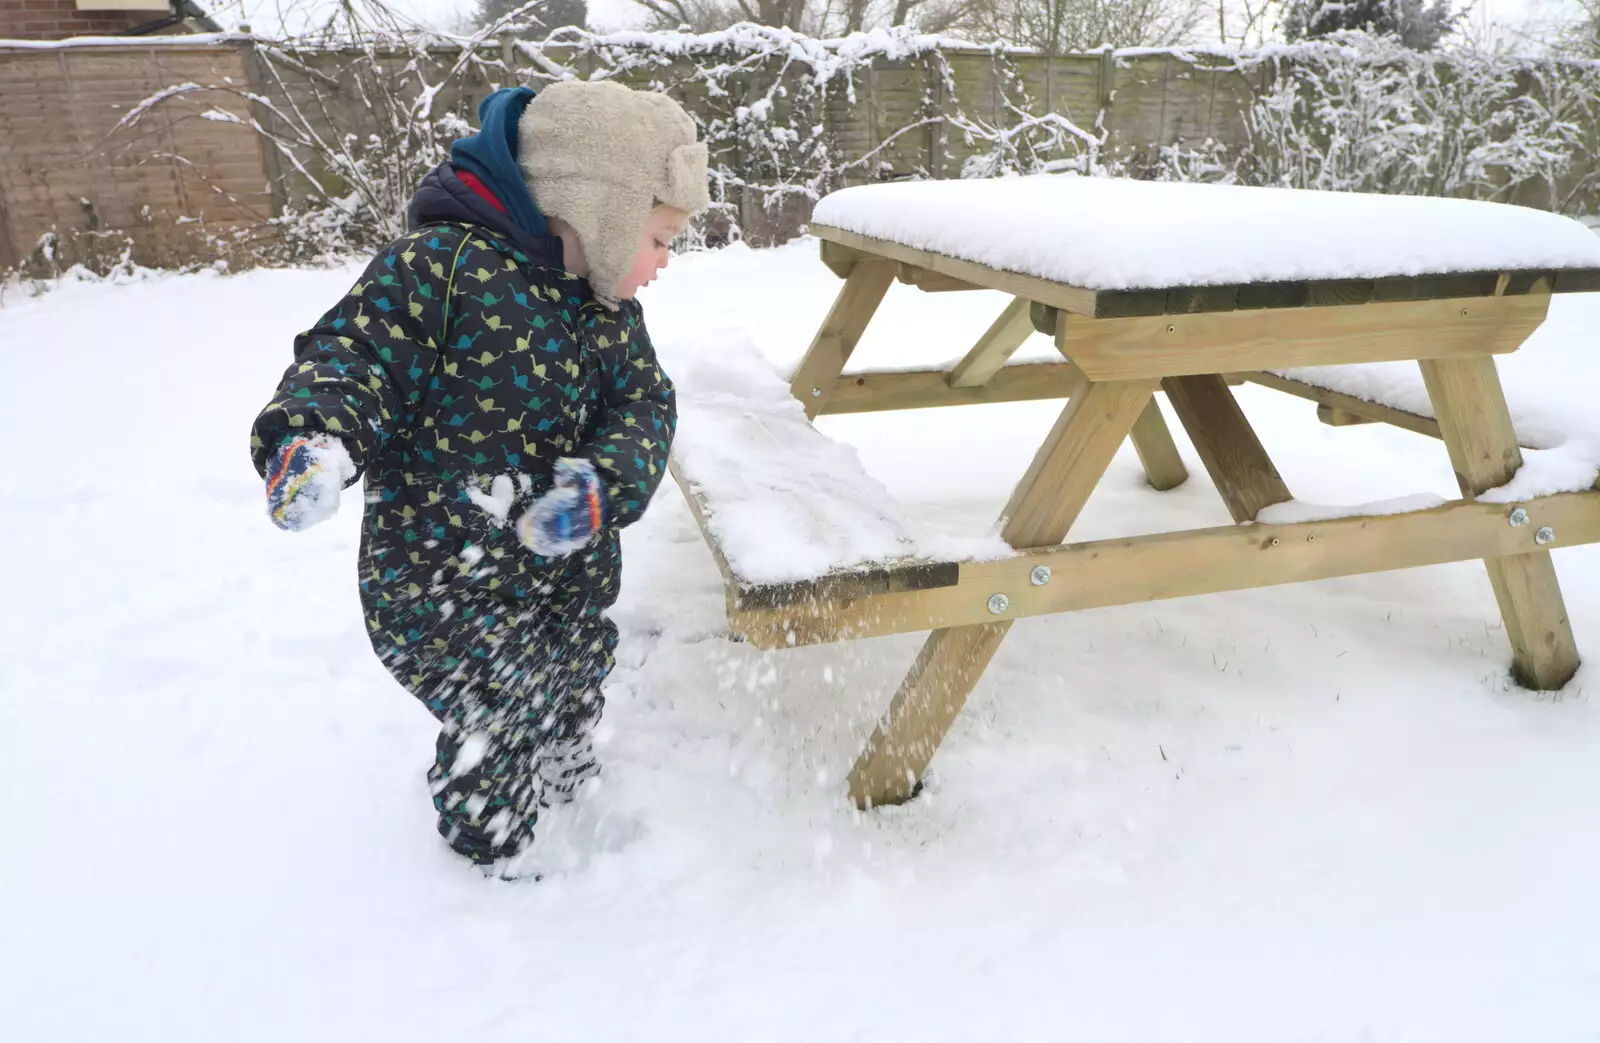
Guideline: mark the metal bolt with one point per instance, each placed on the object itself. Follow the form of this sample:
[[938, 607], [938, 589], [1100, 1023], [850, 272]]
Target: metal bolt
[[816, 392], [1172, 329], [1040, 575], [1518, 518], [1544, 536], [1273, 542], [999, 603]]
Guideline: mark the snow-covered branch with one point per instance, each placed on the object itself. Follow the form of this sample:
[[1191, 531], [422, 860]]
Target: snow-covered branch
[[354, 116]]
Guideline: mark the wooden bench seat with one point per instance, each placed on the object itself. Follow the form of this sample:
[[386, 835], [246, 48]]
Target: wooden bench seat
[[865, 596]]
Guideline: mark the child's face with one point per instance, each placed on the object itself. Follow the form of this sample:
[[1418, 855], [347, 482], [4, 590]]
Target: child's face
[[666, 223]]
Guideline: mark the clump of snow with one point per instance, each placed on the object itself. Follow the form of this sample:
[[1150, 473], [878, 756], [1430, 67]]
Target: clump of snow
[[787, 503], [1568, 468], [1293, 511], [471, 753], [496, 503], [1120, 234]]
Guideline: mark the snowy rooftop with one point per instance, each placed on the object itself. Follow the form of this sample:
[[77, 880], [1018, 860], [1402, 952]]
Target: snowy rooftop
[[1117, 234]]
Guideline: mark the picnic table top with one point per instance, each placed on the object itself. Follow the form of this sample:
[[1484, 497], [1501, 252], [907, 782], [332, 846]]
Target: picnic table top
[[1111, 234]]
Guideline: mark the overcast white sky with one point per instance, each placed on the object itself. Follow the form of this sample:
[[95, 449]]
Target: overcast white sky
[[618, 14]]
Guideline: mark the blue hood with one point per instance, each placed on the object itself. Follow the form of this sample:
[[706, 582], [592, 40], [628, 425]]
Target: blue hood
[[491, 154]]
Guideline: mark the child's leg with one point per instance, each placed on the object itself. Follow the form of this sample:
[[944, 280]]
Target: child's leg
[[527, 692], [567, 760], [485, 791]]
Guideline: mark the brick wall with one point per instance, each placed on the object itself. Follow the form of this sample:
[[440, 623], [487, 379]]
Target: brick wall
[[58, 19]]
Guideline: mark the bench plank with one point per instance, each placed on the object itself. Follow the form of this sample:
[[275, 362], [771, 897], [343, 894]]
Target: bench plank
[[1123, 571], [1422, 425], [872, 392]]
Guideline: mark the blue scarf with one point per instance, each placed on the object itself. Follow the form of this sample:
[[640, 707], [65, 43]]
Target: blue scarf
[[491, 154]]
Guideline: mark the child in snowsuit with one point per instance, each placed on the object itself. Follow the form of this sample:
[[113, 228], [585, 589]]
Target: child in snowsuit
[[490, 376]]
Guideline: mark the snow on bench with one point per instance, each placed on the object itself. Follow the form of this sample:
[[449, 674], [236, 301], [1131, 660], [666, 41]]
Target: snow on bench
[[783, 502], [1551, 389], [1116, 234]]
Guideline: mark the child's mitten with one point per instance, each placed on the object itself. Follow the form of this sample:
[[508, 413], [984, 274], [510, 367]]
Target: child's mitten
[[304, 480], [566, 518]]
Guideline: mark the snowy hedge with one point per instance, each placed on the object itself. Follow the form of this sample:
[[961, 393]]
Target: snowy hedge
[[355, 117]]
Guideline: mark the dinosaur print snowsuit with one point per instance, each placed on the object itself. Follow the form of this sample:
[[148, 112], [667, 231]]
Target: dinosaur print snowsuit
[[462, 353]]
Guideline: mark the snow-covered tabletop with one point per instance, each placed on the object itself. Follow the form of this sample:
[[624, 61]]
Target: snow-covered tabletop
[[1117, 234]]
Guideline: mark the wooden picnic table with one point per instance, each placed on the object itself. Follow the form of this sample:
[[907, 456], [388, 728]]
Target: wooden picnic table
[[1119, 347]]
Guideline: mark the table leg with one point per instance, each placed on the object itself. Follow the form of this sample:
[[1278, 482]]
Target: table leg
[[1476, 425], [998, 343], [1041, 511], [1158, 453], [857, 302], [1234, 457]]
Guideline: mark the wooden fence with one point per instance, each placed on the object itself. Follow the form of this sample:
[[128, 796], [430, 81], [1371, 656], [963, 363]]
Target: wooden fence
[[166, 186], [182, 182]]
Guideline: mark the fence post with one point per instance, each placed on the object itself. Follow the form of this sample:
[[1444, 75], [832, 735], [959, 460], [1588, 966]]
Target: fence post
[[256, 80], [10, 254], [1108, 91]]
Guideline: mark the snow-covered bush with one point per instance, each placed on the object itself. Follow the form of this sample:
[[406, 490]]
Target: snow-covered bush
[[1364, 114], [355, 113], [352, 114]]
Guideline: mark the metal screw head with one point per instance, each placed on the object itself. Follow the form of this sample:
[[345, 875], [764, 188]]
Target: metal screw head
[[816, 392], [1518, 518], [999, 603], [1544, 536], [1172, 329], [1040, 575]]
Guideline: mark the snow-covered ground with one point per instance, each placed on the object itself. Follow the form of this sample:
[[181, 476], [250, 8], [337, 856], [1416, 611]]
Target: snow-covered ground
[[1312, 813]]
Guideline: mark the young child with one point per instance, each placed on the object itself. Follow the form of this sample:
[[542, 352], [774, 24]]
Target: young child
[[490, 377]]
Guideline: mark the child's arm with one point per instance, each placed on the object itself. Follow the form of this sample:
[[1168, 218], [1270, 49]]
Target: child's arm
[[611, 478], [629, 451], [364, 367]]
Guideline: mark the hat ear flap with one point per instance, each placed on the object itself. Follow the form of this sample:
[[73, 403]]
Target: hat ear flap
[[686, 177]]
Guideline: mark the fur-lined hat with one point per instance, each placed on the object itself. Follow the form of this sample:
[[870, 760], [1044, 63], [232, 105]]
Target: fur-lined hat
[[599, 156]]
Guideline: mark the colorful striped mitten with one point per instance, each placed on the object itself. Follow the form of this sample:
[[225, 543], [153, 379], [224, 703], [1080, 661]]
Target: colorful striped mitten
[[304, 480], [566, 518]]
